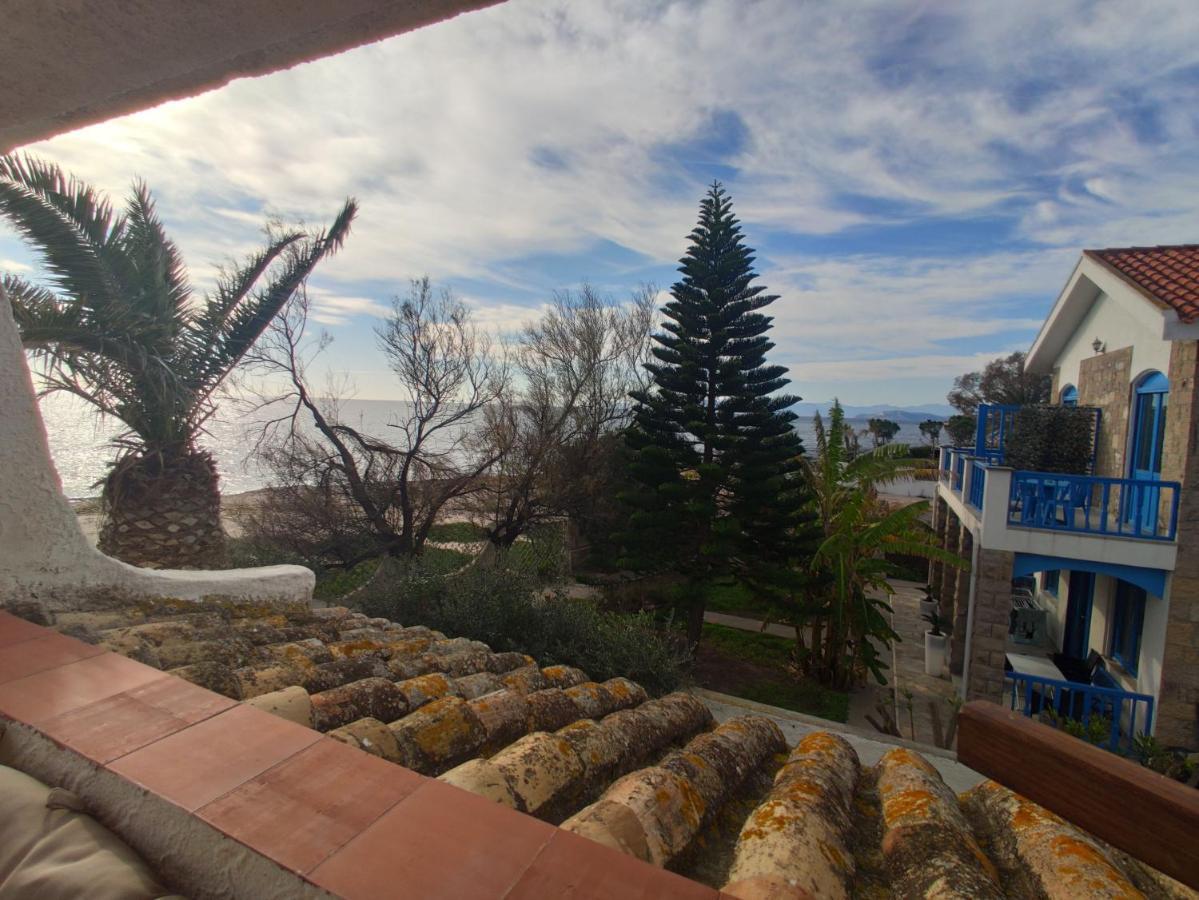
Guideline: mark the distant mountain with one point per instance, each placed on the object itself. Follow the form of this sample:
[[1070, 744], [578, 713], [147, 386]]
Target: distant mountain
[[901, 414]]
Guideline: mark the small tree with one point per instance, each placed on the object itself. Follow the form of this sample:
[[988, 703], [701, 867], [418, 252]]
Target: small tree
[[121, 327], [882, 431], [848, 612], [714, 453], [931, 429], [1003, 381], [383, 494], [961, 430]]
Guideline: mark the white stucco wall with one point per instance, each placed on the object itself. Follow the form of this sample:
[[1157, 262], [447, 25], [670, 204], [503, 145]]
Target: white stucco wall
[[44, 555], [1120, 321]]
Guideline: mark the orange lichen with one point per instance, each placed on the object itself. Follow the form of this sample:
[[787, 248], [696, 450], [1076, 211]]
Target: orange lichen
[[910, 803]]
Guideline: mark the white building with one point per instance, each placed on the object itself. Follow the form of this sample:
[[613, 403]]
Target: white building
[[1108, 561]]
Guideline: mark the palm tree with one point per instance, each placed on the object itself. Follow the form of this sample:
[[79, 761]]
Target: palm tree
[[849, 612], [120, 327]]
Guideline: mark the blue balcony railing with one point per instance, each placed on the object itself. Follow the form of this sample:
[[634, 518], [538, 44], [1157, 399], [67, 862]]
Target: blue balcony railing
[[1109, 717], [1090, 504], [978, 483], [959, 468]]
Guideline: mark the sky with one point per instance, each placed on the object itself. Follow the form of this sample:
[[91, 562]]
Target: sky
[[918, 179]]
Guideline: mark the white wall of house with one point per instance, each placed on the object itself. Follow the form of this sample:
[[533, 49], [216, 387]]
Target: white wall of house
[[1101, 612], [1118, 321]]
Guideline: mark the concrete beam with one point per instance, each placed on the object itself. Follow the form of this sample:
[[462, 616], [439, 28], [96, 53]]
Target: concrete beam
[[70, 63]]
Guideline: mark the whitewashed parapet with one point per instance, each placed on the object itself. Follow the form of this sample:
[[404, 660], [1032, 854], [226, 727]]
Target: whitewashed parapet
[[44, 555]]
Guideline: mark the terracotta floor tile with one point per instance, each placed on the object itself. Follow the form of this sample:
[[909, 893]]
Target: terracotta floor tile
[[23, 658], [194, 766], [576, 868], [120, 724], [308, 806], [439, 842], [14, 629], [80, 683]]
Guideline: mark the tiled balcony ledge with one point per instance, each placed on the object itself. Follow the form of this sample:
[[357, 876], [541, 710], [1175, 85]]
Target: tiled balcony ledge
[[226, 800]]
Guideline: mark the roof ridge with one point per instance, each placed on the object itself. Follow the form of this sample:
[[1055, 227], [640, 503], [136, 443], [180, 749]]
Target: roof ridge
[[1142, 248]]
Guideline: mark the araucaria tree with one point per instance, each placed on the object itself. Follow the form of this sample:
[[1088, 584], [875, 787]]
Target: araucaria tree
[[714, 452], [119, 326]]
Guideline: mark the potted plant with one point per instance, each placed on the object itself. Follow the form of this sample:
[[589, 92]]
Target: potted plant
[[928, 603], [935, 643]]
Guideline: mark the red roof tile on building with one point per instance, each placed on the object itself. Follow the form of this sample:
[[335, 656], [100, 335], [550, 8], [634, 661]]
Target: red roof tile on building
[[1168, 275]]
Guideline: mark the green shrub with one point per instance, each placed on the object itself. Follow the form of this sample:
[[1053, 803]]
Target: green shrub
[[1051, 439], [332, 582], [541, 553], [506, 609]]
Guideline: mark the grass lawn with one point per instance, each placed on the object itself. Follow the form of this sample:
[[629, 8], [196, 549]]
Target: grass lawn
[[733, 597], [456, 532], [754, 667]]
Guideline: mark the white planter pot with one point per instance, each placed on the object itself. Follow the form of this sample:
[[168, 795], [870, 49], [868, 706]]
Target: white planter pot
[[935, 646], [926, 607]]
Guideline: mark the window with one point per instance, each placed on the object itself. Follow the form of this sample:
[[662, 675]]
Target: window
[[1128, 618], [1069, 395], [1050, 580]]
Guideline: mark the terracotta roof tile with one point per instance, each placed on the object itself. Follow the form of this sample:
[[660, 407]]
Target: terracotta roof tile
[[730, 805], [1169, 275]]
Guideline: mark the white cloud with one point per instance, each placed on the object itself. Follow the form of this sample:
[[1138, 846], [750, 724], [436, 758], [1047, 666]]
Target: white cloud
[[11, 265], [539, 128]]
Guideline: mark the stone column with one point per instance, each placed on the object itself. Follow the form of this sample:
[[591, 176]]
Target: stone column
[[44, 555], [949, 582], [935, 566], [963, 576], [1178, 695], [992, 611]]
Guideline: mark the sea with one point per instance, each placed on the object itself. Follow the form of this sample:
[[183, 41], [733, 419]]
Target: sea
[[82, 448]]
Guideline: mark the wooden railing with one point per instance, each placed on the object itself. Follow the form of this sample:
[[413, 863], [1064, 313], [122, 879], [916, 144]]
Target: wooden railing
[[1147, 815]]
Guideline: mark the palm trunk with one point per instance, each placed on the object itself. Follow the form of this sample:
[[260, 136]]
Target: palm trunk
[[163, 511]]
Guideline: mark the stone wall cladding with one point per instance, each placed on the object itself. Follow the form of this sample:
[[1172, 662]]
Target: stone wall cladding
[[962, 576], [992, 609], [1104, 381], [1178, 699]]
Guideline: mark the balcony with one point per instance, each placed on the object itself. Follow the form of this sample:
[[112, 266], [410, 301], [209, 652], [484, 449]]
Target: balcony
[[1105, 716], [1118, 520], [1078, 504]]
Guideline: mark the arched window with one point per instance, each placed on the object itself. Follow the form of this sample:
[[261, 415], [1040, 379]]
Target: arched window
[[1149, 424], [1069, 395]]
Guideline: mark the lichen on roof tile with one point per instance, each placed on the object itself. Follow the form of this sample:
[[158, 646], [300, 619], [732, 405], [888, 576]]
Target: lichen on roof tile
[[655, 778]]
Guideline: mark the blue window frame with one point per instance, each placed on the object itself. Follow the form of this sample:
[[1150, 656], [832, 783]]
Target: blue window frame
[[1128, 619], [1050, 581], [1069, 395]]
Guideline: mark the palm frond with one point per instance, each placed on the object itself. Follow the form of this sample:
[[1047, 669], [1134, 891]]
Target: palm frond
[[66, 221], [249, 319], [231, 290]]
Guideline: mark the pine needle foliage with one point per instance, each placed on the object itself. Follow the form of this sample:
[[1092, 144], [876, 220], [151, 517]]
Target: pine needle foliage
[[715, 454]]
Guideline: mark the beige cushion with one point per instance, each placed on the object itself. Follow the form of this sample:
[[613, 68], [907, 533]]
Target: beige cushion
[[50, 851]]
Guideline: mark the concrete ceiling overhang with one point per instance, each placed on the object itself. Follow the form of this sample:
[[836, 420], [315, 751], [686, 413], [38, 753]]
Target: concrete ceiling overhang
[[69, 63]]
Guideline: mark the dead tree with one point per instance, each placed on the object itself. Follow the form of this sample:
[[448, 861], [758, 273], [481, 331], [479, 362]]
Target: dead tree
[[576, 366], [379, 495]]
